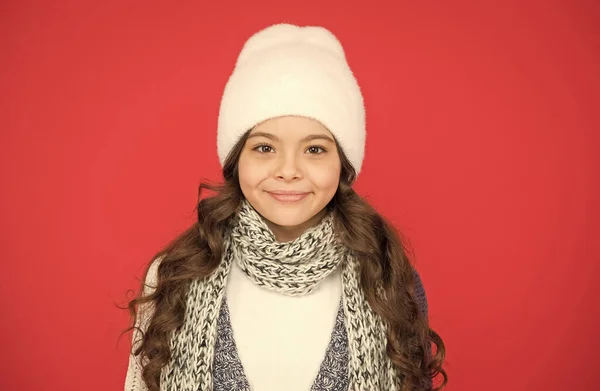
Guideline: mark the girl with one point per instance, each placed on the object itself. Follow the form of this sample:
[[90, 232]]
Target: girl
[[289, 280]]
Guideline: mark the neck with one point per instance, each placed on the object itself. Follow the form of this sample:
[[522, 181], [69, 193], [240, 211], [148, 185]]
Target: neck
[[289, 233]]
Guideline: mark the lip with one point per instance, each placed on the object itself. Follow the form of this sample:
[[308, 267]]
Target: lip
[[288, 196]]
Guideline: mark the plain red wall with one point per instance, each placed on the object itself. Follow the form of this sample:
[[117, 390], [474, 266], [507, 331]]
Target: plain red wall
[[482, 148]]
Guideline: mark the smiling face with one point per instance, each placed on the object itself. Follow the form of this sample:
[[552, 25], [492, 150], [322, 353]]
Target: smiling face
[[289, 170]]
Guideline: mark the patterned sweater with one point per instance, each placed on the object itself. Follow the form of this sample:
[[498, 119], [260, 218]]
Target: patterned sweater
[[228, 370]]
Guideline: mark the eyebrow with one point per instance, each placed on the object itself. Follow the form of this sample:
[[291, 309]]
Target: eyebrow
[[310, 137]]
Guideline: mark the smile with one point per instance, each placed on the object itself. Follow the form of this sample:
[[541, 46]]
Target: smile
[[285, 196]]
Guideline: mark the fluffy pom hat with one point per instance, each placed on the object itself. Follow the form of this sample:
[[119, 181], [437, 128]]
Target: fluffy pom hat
[[286, 69]]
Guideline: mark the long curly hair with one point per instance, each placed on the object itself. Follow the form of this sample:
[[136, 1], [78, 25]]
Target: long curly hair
[[196, 253]]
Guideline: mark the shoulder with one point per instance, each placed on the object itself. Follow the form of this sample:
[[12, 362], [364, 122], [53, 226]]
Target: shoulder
[[420, 296], [151, 279]]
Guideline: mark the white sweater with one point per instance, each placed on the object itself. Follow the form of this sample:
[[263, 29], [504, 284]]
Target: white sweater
[[281, 340]]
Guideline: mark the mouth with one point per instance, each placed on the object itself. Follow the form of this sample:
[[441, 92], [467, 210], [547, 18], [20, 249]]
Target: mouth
[[288, 196]]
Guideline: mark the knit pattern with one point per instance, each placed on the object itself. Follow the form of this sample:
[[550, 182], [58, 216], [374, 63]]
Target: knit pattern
[[229, 372], [291, 268], [333, 372], [192, 346], [370, 366]]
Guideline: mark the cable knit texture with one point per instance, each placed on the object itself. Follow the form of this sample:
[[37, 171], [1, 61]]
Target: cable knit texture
[[291, 268], [204, 347]]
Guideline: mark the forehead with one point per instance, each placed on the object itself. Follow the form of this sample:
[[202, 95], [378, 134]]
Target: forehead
[[291, 125]]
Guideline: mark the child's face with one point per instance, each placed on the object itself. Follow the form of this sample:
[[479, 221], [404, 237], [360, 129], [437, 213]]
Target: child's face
[[289, 154]]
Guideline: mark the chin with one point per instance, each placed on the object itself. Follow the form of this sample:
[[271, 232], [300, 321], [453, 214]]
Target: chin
[[282, 221], [286, 215]]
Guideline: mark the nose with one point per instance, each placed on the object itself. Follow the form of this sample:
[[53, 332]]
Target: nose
[[288, 167]]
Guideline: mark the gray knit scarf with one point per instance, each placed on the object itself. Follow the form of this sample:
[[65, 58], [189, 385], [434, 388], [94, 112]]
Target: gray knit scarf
[[291, 268]]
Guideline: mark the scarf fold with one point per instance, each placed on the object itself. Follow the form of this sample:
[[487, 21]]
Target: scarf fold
[[291, 268]]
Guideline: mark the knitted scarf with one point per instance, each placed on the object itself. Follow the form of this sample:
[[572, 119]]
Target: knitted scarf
[[290, 268]]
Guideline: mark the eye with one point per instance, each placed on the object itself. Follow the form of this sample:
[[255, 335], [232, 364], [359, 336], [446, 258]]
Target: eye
[[263, 148], [316, 150]]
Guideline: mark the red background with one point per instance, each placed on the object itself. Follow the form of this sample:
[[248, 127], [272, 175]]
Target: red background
[[482, 137]]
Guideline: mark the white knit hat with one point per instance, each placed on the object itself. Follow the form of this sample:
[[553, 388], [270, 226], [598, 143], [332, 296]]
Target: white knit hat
[[292, 70]]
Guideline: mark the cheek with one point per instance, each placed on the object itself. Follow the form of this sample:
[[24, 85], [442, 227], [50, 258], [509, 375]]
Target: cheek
[[250, 173], [327, 179]]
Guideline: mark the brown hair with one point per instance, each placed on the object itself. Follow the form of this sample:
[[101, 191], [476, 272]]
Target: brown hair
[[378, 246]]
